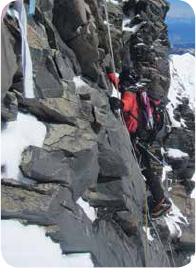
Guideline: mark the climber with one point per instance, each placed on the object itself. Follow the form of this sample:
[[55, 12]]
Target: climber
[[136, 105]]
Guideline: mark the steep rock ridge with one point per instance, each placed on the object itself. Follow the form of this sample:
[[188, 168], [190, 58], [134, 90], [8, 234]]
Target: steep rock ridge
[[182, 97], [86, 153], [146, 42]]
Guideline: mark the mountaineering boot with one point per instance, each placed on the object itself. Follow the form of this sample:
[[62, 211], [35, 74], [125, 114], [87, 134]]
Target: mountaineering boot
[[162, 208]]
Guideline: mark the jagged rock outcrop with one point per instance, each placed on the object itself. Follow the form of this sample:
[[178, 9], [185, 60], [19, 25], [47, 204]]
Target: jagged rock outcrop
[[146, 53], [87, 151]]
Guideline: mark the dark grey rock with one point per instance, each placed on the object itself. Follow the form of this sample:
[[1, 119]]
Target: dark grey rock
[[187, 207], [70, 138], [86, 169], [128, 222], [46, 78], [147, 53], [108, 195], [183, 140], [110, 162], [58, 110], [43, 166], [78, 171], [9, 107], [67, 53], [70, 14], [37, 36], [76, 27], [27, 202], [85, 46], [9, 61], [64, 66]]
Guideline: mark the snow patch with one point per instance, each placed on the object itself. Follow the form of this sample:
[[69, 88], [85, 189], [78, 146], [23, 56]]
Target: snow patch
[[126, 21], [79, 82], [113, 2], [164, 172], [174, 228], [18, 135], [27, 246], [174, 219], [176, 153], [149, 236], [89, 211], [132, 29], [170, 109]]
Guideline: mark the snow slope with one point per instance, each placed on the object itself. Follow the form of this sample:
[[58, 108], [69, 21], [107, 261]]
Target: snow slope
[[182, 71]]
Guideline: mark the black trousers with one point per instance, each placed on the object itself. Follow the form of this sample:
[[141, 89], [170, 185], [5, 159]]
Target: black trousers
[[153, 182]]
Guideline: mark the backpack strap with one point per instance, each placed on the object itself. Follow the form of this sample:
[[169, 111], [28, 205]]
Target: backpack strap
[[146, 109]]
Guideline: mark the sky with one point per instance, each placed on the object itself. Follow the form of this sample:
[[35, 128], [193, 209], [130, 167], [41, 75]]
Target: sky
[[181, 23], [180, 9]]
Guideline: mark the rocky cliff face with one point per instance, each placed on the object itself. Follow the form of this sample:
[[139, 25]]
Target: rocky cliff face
[[86, 156], [147, 53]]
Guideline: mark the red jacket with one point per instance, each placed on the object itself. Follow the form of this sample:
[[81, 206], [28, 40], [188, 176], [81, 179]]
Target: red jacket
[[130, 111]]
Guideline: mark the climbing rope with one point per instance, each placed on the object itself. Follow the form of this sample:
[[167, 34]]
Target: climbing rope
[[146, 227], [172, 256]]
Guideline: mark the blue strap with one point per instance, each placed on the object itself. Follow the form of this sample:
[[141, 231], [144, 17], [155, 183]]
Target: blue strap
[[31, 7]]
